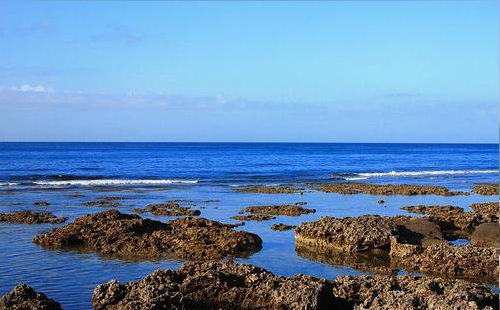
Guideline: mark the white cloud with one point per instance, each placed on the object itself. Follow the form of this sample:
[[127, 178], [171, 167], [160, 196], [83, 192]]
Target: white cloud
[[28, 88]]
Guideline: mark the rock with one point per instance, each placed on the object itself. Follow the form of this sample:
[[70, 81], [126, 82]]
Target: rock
[[457, 261], [486, 189], [268, 190], [387, 189], [230, 286], [487, 210], [289, 210], [420, 231], [101, 203], [23, 297], [253, 217], [350, 234], [380, 201], [111, 198], [76, 195], [486, 235], [282, 227], [41, 203], [30, 217], [114, 233], [169, 208]]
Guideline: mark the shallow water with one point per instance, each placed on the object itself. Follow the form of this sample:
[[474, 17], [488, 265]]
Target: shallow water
[[70, 276]]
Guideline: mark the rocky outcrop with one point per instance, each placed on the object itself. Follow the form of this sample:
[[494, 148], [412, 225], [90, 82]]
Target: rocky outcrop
[[101, 203], [41, 203], [487, 210], [350, 234], [386, 189], [487, 189], [114, 233], [269, 190], [281, 227], [288, 210], [253, 217], [486, 235], [169, 208], [30, 217], [23, 297], [232, 286]]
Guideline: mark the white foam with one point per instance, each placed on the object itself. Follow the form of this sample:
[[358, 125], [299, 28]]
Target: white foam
[[8, 184], [355, 178], [430, 172], [113, 182]]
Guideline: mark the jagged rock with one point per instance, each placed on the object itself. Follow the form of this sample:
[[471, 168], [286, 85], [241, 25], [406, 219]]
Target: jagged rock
[[289, 210], [282, 227], [169, 208], [232, 286], [487, 210], [23, 297], [114, 233], [268, 190], [31, 217], [254, 217], [486, 235], [486, 189], [386, 189], [350, 234]]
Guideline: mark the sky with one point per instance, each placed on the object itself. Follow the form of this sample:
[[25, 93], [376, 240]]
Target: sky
[[250, 71]]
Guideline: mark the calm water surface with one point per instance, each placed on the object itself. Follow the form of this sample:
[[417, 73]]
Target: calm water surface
[[154, 172]]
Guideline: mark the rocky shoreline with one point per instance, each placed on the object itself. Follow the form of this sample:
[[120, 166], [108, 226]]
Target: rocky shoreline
[[31, 217]]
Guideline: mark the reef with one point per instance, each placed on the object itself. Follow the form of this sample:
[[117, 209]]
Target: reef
[[23, 297], [486, 189], [386, 189], [31, 217], [288, 210], [169, 208], [269, 190], [282, 227]]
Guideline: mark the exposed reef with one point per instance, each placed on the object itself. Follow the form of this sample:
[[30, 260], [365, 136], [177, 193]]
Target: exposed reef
[[386, 189], [169, 208], [269, 190], [31, 217], [23, 297]]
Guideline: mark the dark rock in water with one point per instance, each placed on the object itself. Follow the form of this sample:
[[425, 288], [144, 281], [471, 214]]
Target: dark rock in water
[[30, 217], [350, 234], [23, 297], [41, 203], [387, 189], [380, 201], [289, 210], [76, 195], [114, 233], [101, 203], [282, 227], [486, 235], [112, 198], [269, 190], [254, 217], [169, 208], [420, 231], [231, 286], [486, 189]]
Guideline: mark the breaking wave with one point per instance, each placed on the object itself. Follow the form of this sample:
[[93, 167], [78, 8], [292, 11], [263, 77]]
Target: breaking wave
[[101, 182], [364, 176]]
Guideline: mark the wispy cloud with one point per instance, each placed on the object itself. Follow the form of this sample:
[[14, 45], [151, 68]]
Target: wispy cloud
[[28, 88], [120, 34]]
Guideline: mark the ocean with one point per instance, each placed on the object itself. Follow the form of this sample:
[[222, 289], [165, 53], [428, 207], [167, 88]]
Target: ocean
[[155, 172]]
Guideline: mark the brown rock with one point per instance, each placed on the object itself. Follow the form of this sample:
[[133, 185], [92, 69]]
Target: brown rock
[[30, 217], [289, 210], [351, 234], [231, 286], [253, 217], [486, 189], [387, 189], [170, 208], [282, 227], [23, 297], [269, 190], [486, 235], [114, 233], [487, 210], [101, 203], [41, 203]]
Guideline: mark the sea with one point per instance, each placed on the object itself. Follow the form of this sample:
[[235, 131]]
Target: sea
[[208, 174]]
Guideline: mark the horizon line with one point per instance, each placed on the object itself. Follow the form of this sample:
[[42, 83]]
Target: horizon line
[[252, 142]]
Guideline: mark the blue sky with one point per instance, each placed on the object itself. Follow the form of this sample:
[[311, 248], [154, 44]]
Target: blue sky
[[249, 71]]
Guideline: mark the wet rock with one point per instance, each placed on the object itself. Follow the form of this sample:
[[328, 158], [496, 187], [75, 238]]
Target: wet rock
[[419, 231], [101, 203], [232, 286], [211, 201], [350, 234], [487, 210], [269, 190], [380, 201], [169, 208], [41, 203], [486, 235], [282, 227], [289, 210], [486, 189], [444, 259], [253, 217], [115, 233], [23, 297], [112, 198], [76, 195], [387, 189], [30, 217]]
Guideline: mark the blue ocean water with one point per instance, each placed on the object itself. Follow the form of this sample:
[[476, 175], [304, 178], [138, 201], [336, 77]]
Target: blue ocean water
[[154, 172]]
